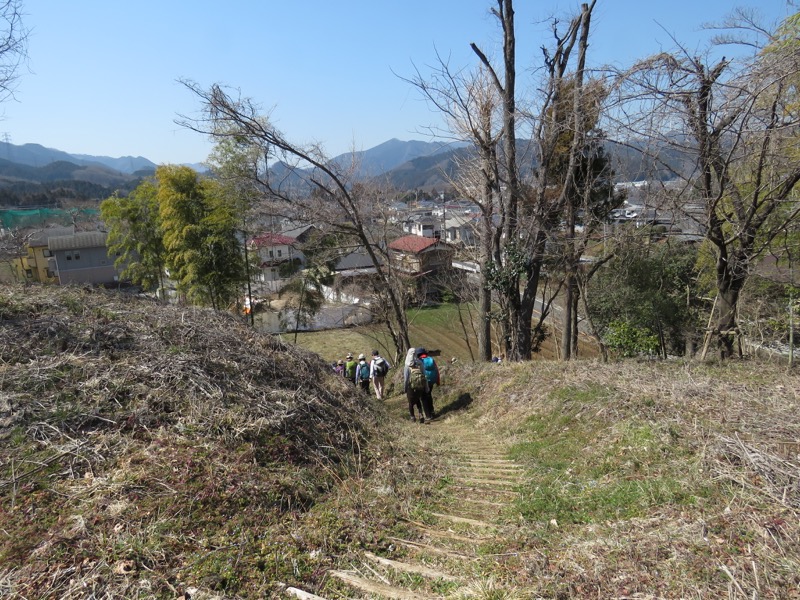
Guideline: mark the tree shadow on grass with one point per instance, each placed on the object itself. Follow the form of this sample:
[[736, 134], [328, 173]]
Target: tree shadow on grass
[[463, 401]]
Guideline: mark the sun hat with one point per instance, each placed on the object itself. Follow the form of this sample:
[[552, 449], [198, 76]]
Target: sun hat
[[361, 357], [341, 362], [349, 355]]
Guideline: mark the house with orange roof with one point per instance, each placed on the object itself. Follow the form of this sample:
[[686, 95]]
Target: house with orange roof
[[426, 260]]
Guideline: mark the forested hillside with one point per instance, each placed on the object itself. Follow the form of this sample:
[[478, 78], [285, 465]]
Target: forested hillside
[[59, 182]]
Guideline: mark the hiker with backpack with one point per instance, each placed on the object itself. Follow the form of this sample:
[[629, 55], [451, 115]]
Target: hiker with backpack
[[362, 373], [350, 368], [378, 368], [339, 368], [415, 384], [431, 371]]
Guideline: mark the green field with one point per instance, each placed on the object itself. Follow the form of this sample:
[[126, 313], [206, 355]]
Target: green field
[[435, 328]]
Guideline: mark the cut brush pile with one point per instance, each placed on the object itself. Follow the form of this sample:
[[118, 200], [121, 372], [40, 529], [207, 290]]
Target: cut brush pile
[[149, 449]]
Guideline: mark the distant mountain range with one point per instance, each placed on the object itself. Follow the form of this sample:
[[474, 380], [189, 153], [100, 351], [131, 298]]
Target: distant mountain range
[[31, 174], [371, 163], [35, 155]]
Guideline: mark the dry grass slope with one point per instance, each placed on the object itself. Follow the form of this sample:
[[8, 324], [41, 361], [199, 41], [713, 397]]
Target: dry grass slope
[[150, 451], [147, 448], [651, 480]]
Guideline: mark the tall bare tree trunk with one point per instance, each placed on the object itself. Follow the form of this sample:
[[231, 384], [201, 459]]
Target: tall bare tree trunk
[[485, 292], [566, 321]]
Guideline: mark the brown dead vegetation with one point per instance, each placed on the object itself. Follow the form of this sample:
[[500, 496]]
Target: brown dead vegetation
[[161, 451], [721, 438], [144, 448]]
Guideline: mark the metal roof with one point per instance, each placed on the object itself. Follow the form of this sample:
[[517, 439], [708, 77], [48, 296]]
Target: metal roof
[[41, 237], [78, 241], [415, 243]]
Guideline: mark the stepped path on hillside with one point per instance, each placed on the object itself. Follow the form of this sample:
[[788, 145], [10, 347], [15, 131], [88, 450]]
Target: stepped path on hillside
[[462, 542]]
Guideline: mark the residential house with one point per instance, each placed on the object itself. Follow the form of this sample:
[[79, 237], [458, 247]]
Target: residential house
[[82, 258], [277, 257], [460, 230], [423, 225], [426, 260], [353, 275], [302, 234], [34, 265]]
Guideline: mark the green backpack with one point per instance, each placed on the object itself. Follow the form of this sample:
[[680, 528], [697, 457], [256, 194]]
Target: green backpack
[[416, 378]]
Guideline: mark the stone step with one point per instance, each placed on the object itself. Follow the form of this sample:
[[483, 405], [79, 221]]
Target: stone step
[[418, 546], [508, 479], [493, 463], [491, 466], [483, 502], [443, 534], [489, 483], [482, 454], [302, 595], [369, 586], [463, 520], [483, 490], [410, 567]]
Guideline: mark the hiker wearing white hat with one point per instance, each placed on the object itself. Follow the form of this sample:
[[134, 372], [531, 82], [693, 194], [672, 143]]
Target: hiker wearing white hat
[[362, 373]]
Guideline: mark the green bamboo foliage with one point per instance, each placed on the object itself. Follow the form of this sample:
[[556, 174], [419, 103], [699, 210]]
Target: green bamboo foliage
[[135, 236], [204, 256], [182, 225]]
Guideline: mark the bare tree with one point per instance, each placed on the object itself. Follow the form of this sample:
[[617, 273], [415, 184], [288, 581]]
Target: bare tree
[[470, 105], [303, 183], [13, 45], [568, 111], [739, 123], [517, 338], [518, 218]]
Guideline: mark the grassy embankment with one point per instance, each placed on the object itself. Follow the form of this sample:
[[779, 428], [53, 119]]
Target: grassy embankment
[[642, 479], [148, 450]]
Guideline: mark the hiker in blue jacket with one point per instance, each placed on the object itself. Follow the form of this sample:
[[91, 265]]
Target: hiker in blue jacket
[[432, 376], [362, 373]]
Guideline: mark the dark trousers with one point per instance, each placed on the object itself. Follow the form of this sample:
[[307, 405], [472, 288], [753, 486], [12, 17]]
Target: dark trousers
[[427, 404], [414, 401]]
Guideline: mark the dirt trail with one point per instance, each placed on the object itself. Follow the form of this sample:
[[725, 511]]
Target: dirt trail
[[459, 547]]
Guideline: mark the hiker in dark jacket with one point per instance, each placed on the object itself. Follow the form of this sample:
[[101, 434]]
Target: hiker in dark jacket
[[414, 384]]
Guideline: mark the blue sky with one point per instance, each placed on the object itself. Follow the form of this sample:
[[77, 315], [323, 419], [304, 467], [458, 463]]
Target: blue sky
[[101, 76]]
